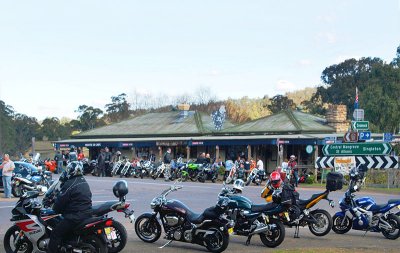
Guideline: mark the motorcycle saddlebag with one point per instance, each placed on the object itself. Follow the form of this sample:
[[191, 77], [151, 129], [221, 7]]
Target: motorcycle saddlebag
[[334, 181]]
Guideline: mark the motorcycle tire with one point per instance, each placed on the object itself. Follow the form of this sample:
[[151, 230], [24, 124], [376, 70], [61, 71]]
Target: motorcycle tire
[[248, 181], [338, 228], [214, 179], [324, 223], [12, 234], [18, 191], [118, 244], [95, 242], [274, 238], [141, 175], [394, 233], [218, 241], [146, 222], [202, 178]]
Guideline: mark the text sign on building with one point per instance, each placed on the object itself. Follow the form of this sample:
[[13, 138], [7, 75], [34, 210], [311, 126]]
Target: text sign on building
[[357, 149], [360, 125]]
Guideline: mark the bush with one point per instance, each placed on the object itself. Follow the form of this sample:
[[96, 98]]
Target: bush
[[221, 170], [310, 179]]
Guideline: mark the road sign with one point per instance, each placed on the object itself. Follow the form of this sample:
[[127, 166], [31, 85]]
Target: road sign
[[330, 140], [346, 149], [309, 149], [387, 137], [360, 125], [358, 114], [350, 137], [364, 136], [375, 162]]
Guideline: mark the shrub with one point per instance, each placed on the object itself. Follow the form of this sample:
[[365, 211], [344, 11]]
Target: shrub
[[310, 179]]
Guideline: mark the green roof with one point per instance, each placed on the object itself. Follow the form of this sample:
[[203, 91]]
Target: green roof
[[284, 122]]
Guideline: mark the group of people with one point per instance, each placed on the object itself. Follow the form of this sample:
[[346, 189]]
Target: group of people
[[62, 158]]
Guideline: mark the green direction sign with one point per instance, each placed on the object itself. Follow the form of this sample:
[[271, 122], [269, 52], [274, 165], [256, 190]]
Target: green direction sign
[[357, 149], [360, 125]]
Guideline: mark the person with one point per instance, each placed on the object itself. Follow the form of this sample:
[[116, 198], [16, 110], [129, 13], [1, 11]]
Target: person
[[292, 165], [260, 165], [81, 155], [7, 167], [65, 157], [238, 186], [72, 154], [59, 159], [74, 203], [202, 158], [167, 163], [274, 182], [107, 160], [208, 158], [101, 164], [229, 164]]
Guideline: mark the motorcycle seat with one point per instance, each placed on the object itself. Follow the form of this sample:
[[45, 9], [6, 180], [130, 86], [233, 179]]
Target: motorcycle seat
[[88, 221], [303, 202], [195, 218], [263, 207], [101, 209], [394, 201], [377, 207]]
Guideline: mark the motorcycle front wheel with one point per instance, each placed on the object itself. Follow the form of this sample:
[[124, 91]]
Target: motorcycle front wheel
[[18, 191], [275, 236], [337, 226], [248, 181], [218, 241], [394, 222], [323, 225], [24, 245], [147, 228]]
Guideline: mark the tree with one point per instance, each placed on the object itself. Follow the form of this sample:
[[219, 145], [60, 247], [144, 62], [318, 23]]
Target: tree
[[89, 118], [25, 128], [118, 109], [279, 103], [7, 131], [53, 129]]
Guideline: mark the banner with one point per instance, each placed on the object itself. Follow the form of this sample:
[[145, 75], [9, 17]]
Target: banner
[[344, 164]]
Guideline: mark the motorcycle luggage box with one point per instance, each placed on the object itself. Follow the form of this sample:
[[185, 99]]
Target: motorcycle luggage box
[[334, 181]]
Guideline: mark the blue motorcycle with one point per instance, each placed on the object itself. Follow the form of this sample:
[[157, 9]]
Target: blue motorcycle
[[363, 213]]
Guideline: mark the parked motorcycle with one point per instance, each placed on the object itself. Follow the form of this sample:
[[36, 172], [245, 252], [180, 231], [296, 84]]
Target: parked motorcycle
[[33, 225], [253, 219], [180, 223], [193, 170], [159, 171], [363, 213], [207, 173], [38, 181], [256, 177]]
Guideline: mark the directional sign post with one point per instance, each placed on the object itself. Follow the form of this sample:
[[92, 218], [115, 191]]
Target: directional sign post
[[387, 137], [346, 149], [350, 137], [360, 125], [364, 136]]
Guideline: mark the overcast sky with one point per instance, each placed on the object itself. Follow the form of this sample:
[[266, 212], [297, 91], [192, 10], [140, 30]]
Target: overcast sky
[[57, 55]]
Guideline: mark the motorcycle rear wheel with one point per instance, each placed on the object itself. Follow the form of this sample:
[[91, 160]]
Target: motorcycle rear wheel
[[338, 228], [147, 228], [394, 233], [324, 223], [94, 242], [12, 234], [218, 241], [119, 243], [275, 237], [248, 181]]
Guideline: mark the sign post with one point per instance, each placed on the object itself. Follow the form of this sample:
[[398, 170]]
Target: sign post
[[364, 136], [360, 125]]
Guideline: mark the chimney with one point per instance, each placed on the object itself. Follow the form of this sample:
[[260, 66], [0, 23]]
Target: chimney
[[184, 110], [336, 117]]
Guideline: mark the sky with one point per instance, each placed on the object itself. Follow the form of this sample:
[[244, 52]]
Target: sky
[[57, 55]]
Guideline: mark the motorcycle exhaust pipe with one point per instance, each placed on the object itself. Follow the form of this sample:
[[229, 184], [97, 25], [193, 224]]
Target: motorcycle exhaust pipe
[[263, 228], [28, 187]]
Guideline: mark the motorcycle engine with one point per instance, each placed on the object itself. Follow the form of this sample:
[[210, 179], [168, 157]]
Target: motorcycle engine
[[172, 220], [43, 244]]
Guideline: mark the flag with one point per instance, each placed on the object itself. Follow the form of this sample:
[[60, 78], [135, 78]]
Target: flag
[[356, 101]]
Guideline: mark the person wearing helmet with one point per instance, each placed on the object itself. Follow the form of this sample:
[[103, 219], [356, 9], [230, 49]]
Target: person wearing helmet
[[274, 182], [238, 186], [74, 203]]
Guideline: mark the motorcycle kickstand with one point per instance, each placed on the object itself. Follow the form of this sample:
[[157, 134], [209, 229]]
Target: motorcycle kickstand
[[166, 244], [296, 232], [248, 240]]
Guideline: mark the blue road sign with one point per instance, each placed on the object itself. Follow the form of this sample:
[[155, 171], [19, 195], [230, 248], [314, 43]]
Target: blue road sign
[[387, 137], [363, 136]]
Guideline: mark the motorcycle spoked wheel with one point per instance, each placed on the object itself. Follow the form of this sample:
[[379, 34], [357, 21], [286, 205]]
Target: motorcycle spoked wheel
[[9, 240], [393, 233], [202, 177], [274, 237], [117, 244], [337, 226], [218, 241], [18, 191], [323, 225], [93, 244], [147, 228], [248, 181]]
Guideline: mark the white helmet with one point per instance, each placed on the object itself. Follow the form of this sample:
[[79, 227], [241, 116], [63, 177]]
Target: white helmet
[[238, 185]]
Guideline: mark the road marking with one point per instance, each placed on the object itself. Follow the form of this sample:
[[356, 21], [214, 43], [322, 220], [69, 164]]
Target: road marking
[[4, 207]]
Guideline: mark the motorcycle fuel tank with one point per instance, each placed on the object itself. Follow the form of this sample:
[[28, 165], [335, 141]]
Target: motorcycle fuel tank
[[365, 202], [176, 206], [242, 202]]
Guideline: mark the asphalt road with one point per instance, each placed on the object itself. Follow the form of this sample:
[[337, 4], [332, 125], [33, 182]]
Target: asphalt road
[[199, 196]]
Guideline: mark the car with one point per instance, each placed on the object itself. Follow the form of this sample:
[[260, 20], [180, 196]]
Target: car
[[21, 168]]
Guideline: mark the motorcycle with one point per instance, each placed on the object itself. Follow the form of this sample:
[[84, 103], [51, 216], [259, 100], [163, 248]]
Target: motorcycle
[[180, 223], [231, 176], [208, 173], [256, 177], [39, 181], [33, 225], [116, 234], [193, 170], [159, 171], [117, 167], [363, 213], [146, 167], [253, 219]]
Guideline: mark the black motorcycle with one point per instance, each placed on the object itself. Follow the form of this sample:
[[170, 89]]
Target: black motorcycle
[[209, 229], [207, 173]]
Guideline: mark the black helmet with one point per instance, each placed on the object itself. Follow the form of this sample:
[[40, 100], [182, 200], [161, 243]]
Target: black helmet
[[120, 189]]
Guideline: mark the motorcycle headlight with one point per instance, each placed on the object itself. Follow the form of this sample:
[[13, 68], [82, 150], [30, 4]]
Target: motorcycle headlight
[[155, 202]]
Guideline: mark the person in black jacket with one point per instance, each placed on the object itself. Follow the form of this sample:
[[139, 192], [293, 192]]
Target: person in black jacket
[[74, 202], [167, 163]]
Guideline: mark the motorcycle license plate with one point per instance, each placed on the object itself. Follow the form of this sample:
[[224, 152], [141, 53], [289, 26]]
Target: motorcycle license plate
[[230, 231], [132, 218], [111, 235], [398, 206]]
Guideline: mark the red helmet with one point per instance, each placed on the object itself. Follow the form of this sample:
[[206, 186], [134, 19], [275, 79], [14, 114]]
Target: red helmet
[[275, 179]]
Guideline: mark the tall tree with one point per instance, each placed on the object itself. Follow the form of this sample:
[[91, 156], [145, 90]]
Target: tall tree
[[279, 103], [118, 109], [25, 128], [7, 131], [89, 117]]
